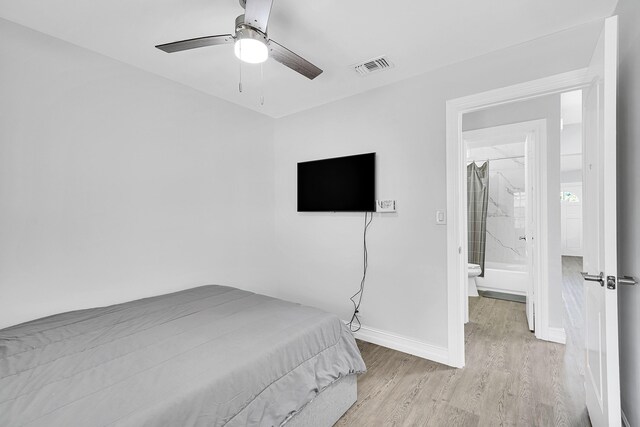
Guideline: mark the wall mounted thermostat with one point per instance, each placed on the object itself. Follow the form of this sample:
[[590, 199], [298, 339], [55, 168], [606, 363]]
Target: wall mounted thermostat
[[385, 205]]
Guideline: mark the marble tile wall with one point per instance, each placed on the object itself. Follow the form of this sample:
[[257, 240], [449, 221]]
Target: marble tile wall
[[506, 212]]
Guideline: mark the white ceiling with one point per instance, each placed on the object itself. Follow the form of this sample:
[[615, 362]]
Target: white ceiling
[[417, 36]]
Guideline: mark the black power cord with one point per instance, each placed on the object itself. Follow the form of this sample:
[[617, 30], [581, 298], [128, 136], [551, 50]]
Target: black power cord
[[356, 306]]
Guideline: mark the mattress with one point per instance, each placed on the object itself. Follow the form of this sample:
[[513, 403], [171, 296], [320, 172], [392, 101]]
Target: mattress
[[212, 355]]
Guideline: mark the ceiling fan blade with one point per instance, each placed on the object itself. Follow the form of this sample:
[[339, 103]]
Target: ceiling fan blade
[[293, 61], [256, 13], [195, 43]]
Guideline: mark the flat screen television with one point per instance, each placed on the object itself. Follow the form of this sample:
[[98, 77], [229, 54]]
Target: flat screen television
[[340, 184]]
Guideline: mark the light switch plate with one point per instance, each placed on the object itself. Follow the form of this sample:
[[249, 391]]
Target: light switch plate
[[441, 217], [385, 205]]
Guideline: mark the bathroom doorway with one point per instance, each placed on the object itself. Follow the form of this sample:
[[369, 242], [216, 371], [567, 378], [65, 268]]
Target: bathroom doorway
[[503, 196]]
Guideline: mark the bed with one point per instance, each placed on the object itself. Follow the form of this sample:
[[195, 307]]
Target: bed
[[207, 356]]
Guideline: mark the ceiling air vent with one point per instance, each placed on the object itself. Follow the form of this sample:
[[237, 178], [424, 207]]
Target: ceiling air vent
[[373, 66]]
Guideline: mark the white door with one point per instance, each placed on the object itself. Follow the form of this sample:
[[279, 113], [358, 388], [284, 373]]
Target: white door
[[530, 225], [602, 378], [571, 218]]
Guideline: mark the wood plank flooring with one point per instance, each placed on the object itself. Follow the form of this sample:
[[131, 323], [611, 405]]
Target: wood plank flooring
[[510, 379]]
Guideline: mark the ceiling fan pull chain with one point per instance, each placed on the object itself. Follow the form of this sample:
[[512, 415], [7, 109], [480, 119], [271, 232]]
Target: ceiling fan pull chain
[[261, 85], [240, 80]]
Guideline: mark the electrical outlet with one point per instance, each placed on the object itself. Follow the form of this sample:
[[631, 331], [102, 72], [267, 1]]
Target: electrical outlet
[[385, 206]]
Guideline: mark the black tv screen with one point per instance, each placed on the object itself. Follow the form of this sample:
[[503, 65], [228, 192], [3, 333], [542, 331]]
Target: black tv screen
[[341, 184]]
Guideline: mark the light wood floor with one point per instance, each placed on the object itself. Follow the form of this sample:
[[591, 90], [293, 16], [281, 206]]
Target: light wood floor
[[510, 377]]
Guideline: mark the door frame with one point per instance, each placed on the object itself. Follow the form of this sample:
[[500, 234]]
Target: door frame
[[456, 203]]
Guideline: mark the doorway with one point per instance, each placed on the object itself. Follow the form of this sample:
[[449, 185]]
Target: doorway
[[571, 174], [457, 254], [502, 238]]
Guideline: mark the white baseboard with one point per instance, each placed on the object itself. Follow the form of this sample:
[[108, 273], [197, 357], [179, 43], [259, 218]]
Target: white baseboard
[[625, 421], [404, 344], [425, 350], [556, 335]]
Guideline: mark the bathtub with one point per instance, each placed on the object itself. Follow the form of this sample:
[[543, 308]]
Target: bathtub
[[505, 278]]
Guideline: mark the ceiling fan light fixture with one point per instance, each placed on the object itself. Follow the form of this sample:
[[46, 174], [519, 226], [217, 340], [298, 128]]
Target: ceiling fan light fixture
[[250, 50]]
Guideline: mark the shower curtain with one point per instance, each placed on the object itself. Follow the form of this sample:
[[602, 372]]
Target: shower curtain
[[477, 203]]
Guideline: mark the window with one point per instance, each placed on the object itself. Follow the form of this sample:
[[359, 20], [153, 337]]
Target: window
[[568, 196]]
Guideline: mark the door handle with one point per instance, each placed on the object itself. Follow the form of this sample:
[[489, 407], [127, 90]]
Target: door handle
[[627, 280], [522, 238], [593, 277]]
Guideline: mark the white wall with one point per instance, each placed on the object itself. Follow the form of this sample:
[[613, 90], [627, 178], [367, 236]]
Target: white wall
[[629, 205], [117, 184], [571, 176], [571, 139], [571, 151], [320, 254], [547, 107]]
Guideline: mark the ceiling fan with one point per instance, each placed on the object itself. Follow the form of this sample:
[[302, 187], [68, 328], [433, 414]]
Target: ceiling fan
[[252, 44]]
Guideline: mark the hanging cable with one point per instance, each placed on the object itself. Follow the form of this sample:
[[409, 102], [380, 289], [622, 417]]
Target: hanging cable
[[356, 306]]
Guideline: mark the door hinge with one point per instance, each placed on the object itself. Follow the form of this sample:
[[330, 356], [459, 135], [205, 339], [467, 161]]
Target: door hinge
[[611, 282]]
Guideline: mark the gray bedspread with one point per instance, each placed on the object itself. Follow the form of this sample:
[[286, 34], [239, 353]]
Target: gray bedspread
[[206, 356]]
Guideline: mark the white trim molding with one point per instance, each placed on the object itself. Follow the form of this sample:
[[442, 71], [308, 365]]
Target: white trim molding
[[556, 335], [403, 344], [456, 259]]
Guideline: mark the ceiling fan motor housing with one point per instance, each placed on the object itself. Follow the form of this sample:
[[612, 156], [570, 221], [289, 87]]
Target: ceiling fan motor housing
[[245, 31]]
